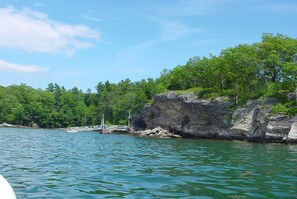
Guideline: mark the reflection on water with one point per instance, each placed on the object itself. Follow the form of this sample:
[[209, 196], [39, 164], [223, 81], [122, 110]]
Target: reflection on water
[[56, 164]]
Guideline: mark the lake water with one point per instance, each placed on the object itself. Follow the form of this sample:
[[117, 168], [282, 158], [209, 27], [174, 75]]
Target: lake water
[[56, 164]]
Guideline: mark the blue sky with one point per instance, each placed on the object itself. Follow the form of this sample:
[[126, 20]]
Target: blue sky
[[81, 42]]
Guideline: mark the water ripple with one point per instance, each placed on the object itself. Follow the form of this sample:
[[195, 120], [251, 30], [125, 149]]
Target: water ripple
[[56, 164]]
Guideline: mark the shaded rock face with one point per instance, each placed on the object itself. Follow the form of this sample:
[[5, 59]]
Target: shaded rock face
[[185, 115], [190, 117]]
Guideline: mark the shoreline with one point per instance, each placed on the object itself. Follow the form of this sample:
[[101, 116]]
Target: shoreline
[[151, 133], [6, 125], [161, 133]]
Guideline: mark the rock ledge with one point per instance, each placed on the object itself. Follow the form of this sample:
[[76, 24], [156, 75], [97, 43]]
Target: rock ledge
[[156, 132]]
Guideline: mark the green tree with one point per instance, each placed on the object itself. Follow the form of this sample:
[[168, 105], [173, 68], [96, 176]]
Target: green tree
[[278, 55]]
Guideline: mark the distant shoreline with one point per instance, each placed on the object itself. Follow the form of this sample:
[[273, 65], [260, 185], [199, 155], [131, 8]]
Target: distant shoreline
[[11, 125], [6, 125]]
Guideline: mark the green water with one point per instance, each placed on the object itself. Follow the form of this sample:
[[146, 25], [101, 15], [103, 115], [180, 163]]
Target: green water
[[56, 164]]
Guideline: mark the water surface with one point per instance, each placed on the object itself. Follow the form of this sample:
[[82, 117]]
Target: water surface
[[56, 164]]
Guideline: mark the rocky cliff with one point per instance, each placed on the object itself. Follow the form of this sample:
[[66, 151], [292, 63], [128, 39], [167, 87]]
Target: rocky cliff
[[188, 116]]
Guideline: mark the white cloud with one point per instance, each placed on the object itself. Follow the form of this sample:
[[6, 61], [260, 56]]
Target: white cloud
[[16, 68], [91, 16], [133, 54], [33, 31], [172, 30]]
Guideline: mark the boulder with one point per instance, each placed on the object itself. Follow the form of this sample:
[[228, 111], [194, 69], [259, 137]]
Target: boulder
[[156, 132]]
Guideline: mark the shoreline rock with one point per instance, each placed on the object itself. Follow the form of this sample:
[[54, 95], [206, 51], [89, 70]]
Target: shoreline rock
[[189, 117], [157, 132], [10, 125], [6, 125]]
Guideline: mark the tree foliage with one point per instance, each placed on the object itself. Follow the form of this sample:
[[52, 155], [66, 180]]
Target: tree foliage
[[57, 107], [245, 71]]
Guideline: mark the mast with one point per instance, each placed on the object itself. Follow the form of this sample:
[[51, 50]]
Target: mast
[[129, 119], [102, 122]]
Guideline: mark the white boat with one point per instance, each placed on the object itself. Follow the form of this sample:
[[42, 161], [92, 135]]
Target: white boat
[[6, 191], [71, 131]]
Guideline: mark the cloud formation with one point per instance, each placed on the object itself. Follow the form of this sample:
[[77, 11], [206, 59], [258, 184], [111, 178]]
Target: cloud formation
[[91, 16], [32, 31], [16, 68], [172, 30]]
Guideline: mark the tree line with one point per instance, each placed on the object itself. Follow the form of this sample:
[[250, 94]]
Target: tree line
[[57, 107], [242, 72]]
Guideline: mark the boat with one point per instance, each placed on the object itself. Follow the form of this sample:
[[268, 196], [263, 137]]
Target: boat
[[6, 191], [71, 130]]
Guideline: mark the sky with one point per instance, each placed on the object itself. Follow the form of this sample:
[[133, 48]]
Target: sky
[[83, 42]]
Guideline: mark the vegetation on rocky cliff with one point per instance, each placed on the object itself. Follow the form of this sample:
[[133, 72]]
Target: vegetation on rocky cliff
[[245, 71], [242, 72]]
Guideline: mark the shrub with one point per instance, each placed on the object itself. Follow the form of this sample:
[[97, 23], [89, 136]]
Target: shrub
[[280, 108], [211, 96], [288, 108]]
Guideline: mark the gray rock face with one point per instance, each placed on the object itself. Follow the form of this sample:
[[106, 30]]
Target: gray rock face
[[245, 121], [255, 122], [278, 127], [292, 135], [188, 116]]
